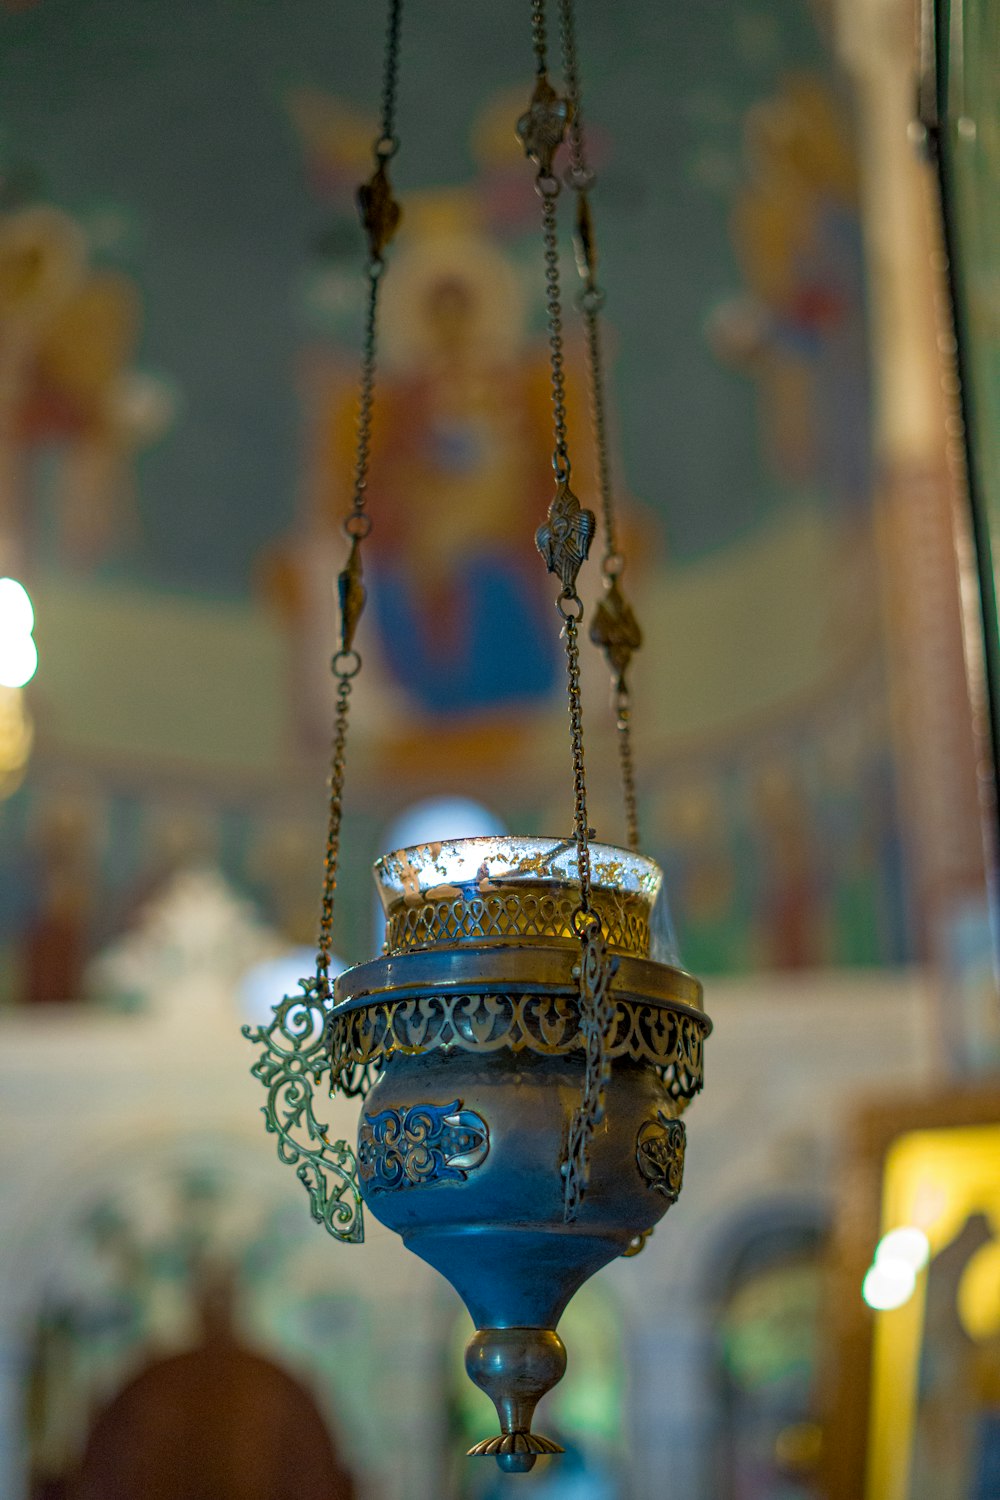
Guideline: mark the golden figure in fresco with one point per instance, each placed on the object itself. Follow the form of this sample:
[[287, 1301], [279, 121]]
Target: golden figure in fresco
[[464, 647], [800, 328], [68, 337], [458, 491]]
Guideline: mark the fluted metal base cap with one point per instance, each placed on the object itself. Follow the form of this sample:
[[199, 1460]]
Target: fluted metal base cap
[[515, 1367], [515, 1452]]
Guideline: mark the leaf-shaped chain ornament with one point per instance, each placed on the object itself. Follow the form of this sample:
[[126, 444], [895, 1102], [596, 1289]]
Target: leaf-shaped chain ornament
[[293, 1058], [615, 630], [380, 212], [352, 596], [564, 538], [584, 244], [542, 128]]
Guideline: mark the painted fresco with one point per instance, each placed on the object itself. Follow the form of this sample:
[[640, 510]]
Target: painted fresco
[[73, 410], [800, 329], [176, 455], [461, 444]]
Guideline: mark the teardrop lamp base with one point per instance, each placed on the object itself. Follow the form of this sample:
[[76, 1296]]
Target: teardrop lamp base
[[515, 1367]]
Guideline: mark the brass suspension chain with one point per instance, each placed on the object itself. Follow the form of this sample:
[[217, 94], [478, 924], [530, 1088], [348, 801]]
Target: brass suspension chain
[[380, 216], [539, 38], [548, 188], [564, 540], [614, 627]]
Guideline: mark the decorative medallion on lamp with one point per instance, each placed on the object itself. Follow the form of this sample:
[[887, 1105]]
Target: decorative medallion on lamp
[[525, 1045]]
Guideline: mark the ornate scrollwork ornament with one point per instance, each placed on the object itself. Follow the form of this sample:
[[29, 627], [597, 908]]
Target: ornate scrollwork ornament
[[293, 1058], [659, 1154], [422, 1145], [564, 537]]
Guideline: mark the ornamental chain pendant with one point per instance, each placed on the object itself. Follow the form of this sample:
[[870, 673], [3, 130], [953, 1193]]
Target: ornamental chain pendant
[[295, 1052]]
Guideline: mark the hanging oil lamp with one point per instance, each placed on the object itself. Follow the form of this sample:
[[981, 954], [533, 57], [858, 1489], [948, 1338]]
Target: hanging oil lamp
[[525, 1045]]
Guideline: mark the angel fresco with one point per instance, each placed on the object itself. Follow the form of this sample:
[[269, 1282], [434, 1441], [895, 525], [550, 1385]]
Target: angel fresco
[[69, 332], [800, 327]]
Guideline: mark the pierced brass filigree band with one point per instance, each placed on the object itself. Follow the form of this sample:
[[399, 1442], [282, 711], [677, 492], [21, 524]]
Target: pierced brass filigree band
[[669, 1040], [503, 916]]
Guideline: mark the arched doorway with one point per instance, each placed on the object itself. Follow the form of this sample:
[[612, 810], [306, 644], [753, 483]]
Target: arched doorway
[[184, 1318], [216, 1422], [765, 1297]]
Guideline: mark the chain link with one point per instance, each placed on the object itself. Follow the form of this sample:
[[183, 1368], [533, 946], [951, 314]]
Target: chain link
[[553, 319], [613, 561], [580, 173], [390, 81], [623, 712], [580, 177], [337, 768], [581, 829], [380, 215], [366, 403], [539, 37]]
